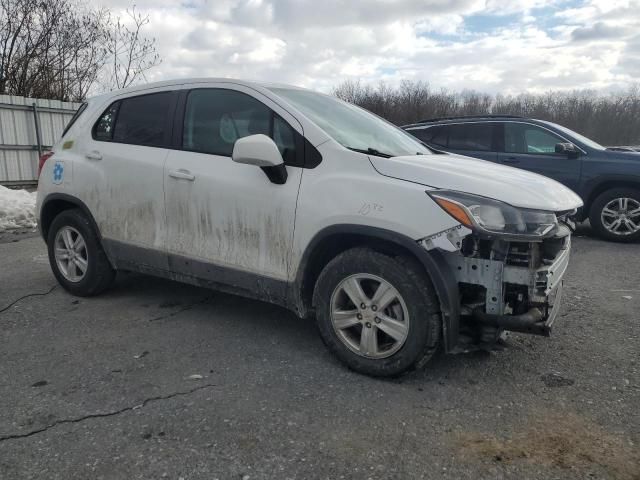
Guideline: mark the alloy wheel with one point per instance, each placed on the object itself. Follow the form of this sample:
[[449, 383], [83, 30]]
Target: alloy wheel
[[71, 254], [621, 216], [369, 316]]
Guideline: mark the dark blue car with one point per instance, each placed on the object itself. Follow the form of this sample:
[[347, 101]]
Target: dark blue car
[[607, 180]]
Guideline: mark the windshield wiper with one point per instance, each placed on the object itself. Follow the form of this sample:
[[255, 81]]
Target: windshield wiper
[[371, 151]]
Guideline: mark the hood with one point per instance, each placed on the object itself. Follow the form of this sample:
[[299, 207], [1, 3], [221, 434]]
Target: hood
[[633, 151], [620, 155], [479, 177]]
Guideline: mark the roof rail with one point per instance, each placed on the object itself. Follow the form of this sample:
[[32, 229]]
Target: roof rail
[[464, 117]]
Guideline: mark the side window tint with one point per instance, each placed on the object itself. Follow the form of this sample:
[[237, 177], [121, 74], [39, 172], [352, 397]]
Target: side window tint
[[471, 136], [103, 129], [524, 138], [215, 118], [440, 136], [431, 135], [142, 120], [284, 136]]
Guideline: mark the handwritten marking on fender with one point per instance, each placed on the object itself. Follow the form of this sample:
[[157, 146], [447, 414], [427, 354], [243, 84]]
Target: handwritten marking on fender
[[367, 208]]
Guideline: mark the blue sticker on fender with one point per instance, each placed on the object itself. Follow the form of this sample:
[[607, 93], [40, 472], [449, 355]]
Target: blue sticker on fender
[[58, 173]]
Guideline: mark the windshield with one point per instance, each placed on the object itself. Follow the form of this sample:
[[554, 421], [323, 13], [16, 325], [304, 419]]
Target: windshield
[[580, 138], [351, 126]]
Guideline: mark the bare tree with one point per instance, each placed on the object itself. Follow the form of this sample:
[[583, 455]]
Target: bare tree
[[131, 54], [49, 49], [610, 119], [59, 48]]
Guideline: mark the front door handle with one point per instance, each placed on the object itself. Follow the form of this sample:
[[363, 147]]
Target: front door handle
[[93, 155], [182, 175], [511, 160]]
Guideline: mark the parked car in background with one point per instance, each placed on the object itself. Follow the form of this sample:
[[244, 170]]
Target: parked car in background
[[608, 180], [303, 200]]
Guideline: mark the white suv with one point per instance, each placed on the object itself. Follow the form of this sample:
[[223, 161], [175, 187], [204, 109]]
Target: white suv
[[297, 198]]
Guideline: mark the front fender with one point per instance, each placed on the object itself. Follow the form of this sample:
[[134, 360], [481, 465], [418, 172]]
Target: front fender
[[432, 261]]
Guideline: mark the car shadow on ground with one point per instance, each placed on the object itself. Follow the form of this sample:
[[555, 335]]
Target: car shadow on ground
[[155, 299], [263, 322]]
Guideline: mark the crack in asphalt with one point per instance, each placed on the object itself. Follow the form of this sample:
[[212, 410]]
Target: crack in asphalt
[[183, 309], [105, 414], [4, 309]]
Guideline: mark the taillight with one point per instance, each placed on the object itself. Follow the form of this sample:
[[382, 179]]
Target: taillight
[[43, 158]]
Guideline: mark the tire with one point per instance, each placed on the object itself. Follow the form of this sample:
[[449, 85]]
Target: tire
[[416, 302], [98, 274], [610, 200]]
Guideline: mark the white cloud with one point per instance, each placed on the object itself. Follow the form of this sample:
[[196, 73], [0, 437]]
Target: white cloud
[[320, 43]]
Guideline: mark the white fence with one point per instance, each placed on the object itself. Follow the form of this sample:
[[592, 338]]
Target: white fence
[[28, 126]]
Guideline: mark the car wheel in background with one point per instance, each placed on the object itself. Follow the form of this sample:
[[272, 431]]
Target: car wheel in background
[[76, 255], [378, 314], [615, 215]]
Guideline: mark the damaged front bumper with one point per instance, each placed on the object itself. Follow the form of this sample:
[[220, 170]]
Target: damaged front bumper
[[503, 284], [537, 320]]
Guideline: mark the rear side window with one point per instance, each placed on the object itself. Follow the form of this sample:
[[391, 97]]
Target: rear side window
[[471, 136], [139, 120], [143, 120], [215, 118], [75, 117]]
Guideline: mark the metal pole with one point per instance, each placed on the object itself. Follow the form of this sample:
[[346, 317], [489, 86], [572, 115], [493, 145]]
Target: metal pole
[[36, 119]]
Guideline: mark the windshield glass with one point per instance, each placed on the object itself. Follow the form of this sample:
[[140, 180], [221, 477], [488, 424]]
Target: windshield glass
[[580, 138], [351, 126]]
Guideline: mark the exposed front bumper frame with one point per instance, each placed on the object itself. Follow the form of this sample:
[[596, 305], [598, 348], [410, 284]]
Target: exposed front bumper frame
[[544, 289], [537, 321]]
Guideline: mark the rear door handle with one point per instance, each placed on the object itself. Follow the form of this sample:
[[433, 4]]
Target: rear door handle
[[182, 175], [93, 155], [511, 160]]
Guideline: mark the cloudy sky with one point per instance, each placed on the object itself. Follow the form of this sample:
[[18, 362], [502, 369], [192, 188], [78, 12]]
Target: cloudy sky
[[507, 46]]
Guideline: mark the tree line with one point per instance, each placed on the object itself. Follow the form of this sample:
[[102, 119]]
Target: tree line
[[612, 119], [62, 49]]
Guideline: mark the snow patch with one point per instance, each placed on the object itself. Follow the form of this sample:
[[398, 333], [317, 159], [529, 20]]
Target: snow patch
[[17, 209]]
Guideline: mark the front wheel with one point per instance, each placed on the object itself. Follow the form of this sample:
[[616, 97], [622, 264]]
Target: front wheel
[[378, 314], [615, 215]]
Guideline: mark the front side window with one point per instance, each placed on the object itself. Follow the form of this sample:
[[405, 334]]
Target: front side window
[[471, 136], [576, 136], [526, 138], [143, 120], [351, 126], [215, 118]]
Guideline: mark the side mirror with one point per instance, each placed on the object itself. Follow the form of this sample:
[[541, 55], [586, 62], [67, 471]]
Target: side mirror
[[568, 149], [261, 151]]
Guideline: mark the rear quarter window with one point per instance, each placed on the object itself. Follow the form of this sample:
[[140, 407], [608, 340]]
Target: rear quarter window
[[103, 129]]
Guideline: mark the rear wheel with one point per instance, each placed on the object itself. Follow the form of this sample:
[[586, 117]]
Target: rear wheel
[[615, 215], [76, 255], [378, 314]]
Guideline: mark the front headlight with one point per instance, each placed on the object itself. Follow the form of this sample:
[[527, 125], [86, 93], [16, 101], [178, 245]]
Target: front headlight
[[494, 217]]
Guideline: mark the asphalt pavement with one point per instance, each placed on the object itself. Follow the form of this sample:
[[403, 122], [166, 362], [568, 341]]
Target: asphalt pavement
[[156, 379]]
